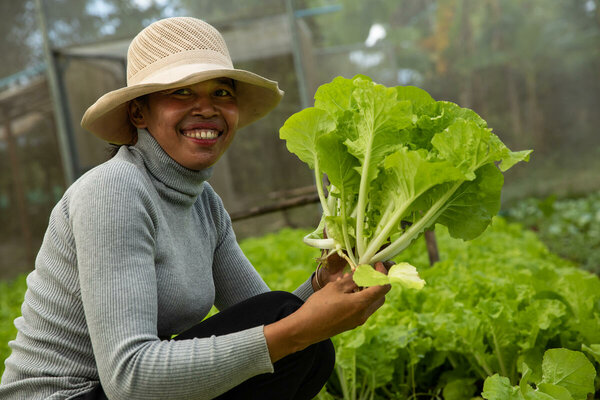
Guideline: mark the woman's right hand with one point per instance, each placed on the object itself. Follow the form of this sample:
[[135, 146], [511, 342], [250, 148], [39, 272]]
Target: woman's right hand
[[336, 308]]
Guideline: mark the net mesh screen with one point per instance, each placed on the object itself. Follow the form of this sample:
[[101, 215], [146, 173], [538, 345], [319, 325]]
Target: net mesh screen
[[175, 35]]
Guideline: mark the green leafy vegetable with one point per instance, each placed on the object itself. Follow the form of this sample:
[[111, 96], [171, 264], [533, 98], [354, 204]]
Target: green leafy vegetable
[[397, 163], [567, 375], [403, 274], [491, 305]]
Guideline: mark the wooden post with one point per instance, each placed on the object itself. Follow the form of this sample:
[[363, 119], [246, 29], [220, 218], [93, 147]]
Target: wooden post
[[19, 189], [432, 250]]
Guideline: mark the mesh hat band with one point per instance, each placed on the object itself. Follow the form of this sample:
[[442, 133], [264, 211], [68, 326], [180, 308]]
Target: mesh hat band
[[203, 59]]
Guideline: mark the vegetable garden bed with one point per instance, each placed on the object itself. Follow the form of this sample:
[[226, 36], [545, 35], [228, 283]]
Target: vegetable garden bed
[[491, 306], [570, 227]]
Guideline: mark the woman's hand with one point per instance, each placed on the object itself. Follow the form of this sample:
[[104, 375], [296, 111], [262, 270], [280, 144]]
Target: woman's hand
[[334, 268], [336, 308]]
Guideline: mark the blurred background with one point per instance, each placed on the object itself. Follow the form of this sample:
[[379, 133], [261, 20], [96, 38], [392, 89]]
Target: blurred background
[[531, 68]]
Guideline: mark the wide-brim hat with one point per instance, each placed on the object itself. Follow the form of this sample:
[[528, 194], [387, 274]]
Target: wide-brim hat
[[170, 53]]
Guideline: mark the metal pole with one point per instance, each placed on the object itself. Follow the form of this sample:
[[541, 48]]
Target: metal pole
[[297, 54], [19, 188], [65, 145]]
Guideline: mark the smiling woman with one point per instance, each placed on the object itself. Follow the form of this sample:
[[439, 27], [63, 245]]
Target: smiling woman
[[140, 248], [194, 124]]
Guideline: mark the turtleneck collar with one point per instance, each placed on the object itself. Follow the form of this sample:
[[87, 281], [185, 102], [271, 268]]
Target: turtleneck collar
[[181, 183]]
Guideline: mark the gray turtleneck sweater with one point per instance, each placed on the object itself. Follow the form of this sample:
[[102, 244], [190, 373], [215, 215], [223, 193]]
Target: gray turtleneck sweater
[[138, 248]]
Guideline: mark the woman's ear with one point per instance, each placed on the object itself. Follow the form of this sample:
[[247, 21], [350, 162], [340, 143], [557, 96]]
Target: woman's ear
[[136, 114]]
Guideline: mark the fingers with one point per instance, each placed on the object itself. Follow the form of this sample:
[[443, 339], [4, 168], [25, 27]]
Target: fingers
[[388, 264], [376, 305], [381, 267], [373, 293], [346, 283], [335, 263], [372, 298]]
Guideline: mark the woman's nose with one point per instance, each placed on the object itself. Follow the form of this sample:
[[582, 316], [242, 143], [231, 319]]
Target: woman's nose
[[203, 105]]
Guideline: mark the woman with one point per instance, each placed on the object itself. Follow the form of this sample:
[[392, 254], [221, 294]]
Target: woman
[[140, 248]]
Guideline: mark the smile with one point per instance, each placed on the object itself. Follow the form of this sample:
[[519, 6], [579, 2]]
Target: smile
[[201, 133]]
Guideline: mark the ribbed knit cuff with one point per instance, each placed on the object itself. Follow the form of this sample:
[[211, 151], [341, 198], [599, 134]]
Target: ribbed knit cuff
[[260, 360], [252, 353], [305, 290]]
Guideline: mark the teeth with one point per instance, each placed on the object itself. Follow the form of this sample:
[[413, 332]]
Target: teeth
[[201, 134]]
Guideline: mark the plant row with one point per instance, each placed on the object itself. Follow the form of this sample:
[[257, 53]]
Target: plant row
[[500, 317], [570, 227], [482, 324]]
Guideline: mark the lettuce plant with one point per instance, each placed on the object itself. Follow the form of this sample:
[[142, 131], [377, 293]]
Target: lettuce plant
[[390, 162], [567, 375]]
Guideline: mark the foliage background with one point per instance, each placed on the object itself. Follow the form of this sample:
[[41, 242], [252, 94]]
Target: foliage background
[[531, 68]]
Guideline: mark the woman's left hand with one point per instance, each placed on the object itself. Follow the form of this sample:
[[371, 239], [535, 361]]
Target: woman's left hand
[[334, 268]]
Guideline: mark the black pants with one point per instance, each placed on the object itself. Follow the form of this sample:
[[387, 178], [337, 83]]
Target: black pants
[[296, 377]]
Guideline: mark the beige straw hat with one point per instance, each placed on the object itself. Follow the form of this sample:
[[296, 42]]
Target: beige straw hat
[[170, 53]]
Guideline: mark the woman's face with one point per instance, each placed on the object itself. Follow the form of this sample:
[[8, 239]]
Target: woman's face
[[193, 124]]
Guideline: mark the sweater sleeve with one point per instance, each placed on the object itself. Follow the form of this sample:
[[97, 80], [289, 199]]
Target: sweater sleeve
[[114, 220], [235, 277]]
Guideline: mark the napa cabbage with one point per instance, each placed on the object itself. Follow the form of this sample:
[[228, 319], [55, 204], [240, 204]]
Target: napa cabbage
[[391, 162]]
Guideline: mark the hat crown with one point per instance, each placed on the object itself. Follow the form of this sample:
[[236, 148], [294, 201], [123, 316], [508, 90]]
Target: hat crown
[[172, 37]]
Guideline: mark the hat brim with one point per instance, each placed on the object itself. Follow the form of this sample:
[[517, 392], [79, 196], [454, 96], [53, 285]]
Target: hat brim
[[108, 118]]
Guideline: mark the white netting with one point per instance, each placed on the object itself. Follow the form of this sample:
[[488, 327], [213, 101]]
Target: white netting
[[171, 36]]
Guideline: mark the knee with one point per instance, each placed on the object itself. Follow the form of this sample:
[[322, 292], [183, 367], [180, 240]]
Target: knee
[[326, 355], [285, 302], [277, 304]]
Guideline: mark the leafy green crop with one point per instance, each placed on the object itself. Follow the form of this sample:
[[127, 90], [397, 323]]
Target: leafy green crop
[[566, 375], [397, 162], [570, 227], [489, 306], [11, 298], [492, 305]]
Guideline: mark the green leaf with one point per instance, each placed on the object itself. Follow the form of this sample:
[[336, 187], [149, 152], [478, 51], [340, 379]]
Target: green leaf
[[412, 174], [302, 130], [526, 374], [468, 146], [336, 96], [557, 392], [379, 118], [471, 208], [365, 275], [335, 228], [498, 387], [402, 274], [569, 369], [593, 350], [406, 275], [339, 165], [512, 157], [528, 392], [418, 97], [459, 389]]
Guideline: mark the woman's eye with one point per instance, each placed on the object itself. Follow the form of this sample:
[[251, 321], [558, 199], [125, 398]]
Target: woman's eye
[[223, 93], [182, 92]]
